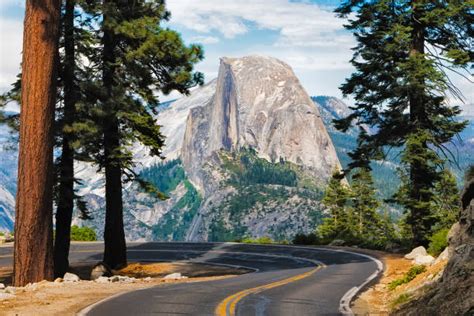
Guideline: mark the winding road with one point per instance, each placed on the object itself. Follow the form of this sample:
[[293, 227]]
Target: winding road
[[286, 280]]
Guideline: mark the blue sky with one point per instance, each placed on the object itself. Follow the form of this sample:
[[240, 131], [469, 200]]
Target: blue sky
[[305, 34]]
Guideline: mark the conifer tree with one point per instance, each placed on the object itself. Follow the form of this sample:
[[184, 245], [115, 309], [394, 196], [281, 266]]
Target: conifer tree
[[370, 229], [336, 199], [446, 203], [33, 253], [139, 58], [404, 51]]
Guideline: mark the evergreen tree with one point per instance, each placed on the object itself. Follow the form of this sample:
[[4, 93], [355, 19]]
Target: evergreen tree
[[404, 50], [336, 199], [139, 57], [446, 203], [33, 260], [365, 205]]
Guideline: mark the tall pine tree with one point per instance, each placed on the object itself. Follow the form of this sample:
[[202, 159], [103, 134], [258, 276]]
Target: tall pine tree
[[33, 253], [404, 51], [139, 58]]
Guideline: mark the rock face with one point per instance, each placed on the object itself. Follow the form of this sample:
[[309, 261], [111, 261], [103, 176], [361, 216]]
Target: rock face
[[259, 104], [454, 293]]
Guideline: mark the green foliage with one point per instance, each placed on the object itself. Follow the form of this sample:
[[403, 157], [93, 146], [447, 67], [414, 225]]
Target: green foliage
[[400, 86], [354, 215], [246, 168], [303, 239], [410, 275], [82, 233], [446, 201], [401, 299], [175, 223], [261, 240], [438, 242], [165, 176]]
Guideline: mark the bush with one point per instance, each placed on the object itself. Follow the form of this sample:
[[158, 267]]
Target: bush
[[303, 239], [410, 275], [438, 242], [82, 233], [261, 240]]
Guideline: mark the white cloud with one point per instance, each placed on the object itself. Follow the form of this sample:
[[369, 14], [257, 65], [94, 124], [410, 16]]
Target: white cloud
[[298, 23], [204, 39], [11, 37]]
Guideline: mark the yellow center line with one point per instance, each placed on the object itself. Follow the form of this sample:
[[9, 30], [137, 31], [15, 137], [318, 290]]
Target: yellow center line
[[228, 306]]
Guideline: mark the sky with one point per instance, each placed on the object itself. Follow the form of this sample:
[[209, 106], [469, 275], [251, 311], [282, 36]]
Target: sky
[[306, 34]]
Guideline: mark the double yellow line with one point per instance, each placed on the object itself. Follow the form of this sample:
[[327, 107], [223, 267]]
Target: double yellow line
[[228, 306]]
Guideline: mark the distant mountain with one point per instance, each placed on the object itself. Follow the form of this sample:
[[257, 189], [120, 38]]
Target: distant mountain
[[8, 167]]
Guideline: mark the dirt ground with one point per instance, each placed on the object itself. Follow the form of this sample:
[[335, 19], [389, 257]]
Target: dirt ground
[[61, 298], [378, 299]]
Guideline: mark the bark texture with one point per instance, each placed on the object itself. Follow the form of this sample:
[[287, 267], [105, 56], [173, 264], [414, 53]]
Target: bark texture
[[115, 251], [66, 165], [33, 260]]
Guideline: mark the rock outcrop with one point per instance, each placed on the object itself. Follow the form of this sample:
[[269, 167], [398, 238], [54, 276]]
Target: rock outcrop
[[454, 293], [260, 104]]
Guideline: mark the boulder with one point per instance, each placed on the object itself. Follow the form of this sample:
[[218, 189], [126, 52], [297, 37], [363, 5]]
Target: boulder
[[418, 251], [443, 256], [2, 286], [424, 260], [6, 296], [175, 276], [100, 270], [71, 277], [102, 279]]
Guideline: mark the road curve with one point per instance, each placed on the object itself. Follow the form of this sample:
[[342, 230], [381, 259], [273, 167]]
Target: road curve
[[288, 280]]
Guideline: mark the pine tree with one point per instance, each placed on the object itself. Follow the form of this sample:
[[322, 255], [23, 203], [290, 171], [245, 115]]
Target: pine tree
[[446, 202], [139, 57], [33, 260], [365, 205], [404, 50], [336, 199]]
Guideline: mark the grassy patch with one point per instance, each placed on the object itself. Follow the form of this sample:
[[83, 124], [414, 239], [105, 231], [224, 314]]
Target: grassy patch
[[262, 240], [410, 275], [401, 299]]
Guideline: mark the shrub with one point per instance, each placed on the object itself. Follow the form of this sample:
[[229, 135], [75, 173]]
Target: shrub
[[82, 233], [410, 275], [303, 239], [261, 240], [438, 242]]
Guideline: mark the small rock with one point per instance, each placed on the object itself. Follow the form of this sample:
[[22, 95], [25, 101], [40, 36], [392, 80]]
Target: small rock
[[102, 279], [147, 279], [424, 260], [10, 289], [337, 242], [418, 251], [175, 276], [115, 278], [100, 269], [71, 277], [6, 296], [58, 280], [2, 286], [31, 287]]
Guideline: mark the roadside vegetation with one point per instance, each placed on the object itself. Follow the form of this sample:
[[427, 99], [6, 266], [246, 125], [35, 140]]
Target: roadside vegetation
[[82, 233]]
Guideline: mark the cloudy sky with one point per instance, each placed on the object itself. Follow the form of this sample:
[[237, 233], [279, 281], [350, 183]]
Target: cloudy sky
[[306, 34]]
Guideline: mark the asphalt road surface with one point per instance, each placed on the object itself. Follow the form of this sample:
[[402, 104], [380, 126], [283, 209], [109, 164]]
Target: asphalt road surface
[[287, 280]]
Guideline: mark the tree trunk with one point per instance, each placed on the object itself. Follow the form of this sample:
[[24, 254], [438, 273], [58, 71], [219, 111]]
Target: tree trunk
[[419, 183], [115, 254], [66, 165], [33, 260]]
